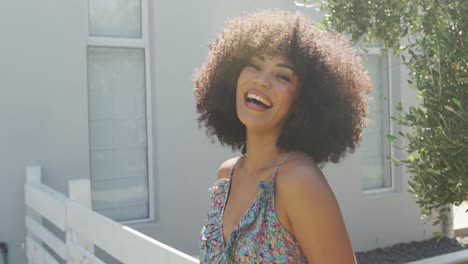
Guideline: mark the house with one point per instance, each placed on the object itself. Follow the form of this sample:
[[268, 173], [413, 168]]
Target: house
[[103, 90]]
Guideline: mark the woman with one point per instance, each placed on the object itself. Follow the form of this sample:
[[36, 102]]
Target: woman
[[291, 98]]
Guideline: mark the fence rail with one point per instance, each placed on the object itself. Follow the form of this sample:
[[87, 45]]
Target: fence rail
[[83, 229]]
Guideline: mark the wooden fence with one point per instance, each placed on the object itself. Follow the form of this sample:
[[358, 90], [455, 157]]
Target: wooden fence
[[83, 229]]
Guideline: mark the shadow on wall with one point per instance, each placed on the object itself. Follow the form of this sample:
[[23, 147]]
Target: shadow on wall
[[4, 250]]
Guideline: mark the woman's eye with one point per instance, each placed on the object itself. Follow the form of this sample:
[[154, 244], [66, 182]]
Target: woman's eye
[[283, 77]]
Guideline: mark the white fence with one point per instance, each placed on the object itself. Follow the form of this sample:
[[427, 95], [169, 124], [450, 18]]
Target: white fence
[[83, 229]]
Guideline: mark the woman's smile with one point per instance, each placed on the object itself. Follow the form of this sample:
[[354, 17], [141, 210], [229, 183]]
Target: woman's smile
[[257, 101]]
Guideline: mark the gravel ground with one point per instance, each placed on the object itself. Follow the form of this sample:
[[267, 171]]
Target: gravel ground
[[412, 251]]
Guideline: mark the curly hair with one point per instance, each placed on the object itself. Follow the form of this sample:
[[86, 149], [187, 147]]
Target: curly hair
[[328, 116]]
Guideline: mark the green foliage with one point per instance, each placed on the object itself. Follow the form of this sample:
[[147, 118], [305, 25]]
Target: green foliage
[[436, 136]]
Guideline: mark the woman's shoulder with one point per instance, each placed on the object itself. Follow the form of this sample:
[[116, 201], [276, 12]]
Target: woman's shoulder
[[312, 212], [301, 174], [300, 166], [224, 171]]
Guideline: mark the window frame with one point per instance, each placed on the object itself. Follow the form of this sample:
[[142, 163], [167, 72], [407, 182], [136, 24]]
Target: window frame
[[142, 43], [388, 148]]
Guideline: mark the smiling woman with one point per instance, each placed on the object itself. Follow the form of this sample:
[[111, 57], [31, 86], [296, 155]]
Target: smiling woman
[[266, 89], [291, 98]]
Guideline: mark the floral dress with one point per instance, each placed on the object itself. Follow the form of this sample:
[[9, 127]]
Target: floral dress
[[259, 237]]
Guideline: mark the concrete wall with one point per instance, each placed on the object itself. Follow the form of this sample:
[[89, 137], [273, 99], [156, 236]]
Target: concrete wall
[[44, 111]]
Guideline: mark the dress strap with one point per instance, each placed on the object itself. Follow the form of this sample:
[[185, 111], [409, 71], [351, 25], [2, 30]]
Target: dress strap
[[234, 167], [279, 166]]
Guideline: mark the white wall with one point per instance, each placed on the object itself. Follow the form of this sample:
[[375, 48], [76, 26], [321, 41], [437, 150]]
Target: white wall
[[44, 111], [43, 104]]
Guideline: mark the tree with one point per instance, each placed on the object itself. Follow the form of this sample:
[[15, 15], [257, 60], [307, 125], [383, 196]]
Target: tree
[[436, 135]]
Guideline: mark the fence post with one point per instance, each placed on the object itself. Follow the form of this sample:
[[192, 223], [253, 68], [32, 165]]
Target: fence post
[[80, 192], [33, 176]]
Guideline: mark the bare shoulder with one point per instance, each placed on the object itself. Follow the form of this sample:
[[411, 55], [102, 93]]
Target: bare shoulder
[[301, 173], [225, 169], [311, 212], [301, 182]]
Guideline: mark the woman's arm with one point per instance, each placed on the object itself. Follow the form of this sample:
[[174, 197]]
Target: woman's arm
[[313, 213]]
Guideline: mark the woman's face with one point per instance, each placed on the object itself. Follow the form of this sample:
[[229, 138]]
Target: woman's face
[[266, 89]]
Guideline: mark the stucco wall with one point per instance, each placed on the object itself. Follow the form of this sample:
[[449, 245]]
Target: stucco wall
[[44, 121]]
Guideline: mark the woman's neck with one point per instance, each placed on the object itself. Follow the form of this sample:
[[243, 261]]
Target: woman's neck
[[262, 152]]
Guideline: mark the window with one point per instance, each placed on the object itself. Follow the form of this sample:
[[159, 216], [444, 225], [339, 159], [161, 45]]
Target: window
[[376, 171], [119, 109]]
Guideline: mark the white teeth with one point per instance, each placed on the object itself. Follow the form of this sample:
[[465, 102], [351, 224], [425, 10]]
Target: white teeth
[[258, 98]]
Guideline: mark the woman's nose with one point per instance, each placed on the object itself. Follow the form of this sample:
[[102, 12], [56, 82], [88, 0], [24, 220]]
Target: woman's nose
[[262, 79]]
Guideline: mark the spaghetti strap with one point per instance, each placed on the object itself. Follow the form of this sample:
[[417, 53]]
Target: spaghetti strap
[[234, 167], [279, 166]]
